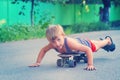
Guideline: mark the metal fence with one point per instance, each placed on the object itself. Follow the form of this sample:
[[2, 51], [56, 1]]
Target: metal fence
[[59, 14]]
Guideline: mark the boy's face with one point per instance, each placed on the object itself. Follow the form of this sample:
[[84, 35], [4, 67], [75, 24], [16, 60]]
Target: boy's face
[[58, 42]]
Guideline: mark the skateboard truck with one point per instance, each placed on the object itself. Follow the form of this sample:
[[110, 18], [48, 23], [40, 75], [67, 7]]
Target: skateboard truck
[[82, 57], [66, 61]]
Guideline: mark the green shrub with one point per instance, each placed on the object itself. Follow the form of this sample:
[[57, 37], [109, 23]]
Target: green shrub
[[83, 27], [24, 32], [86, 27], [98, 26], [20, 32]]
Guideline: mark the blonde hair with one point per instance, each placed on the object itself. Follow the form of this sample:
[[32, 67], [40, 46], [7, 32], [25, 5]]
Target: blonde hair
[[53, 31]]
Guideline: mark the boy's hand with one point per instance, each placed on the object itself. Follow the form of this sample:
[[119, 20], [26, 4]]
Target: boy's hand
[[90, 68], [35, 65]]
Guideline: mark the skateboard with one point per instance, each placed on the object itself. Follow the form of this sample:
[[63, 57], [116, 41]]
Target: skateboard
[[67, 61]]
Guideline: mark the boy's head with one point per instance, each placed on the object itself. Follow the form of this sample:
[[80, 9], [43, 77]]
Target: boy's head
[[54, 31]]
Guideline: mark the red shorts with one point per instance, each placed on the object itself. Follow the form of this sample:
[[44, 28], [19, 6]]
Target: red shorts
[[93, 47]]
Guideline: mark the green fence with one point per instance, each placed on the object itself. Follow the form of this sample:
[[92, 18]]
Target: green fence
[[59, 14]]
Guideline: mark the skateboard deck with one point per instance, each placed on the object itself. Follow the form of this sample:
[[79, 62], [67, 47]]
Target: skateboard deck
[[68, 55]]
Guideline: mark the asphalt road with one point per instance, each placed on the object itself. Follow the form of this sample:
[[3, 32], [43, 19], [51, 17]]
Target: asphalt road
[[15, 57]]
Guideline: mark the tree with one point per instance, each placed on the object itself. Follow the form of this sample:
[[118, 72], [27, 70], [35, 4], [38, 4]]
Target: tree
[[116, 2], [33, 4]]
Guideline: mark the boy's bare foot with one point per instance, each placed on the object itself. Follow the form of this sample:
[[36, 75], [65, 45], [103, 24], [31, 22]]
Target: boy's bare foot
[[109, 40]]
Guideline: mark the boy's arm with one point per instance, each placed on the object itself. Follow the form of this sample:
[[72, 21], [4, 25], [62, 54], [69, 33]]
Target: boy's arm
[[82, 48], [41, 55]]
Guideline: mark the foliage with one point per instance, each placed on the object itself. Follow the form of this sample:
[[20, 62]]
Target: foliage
[[99, 26], [24, 32], [116, 2], [20, 32], [46, 19], [55, 1], [34, 3], [86, 27]]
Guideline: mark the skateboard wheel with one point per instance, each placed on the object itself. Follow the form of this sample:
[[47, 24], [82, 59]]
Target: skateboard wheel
[[72, 63], [60, 63], [76, 58], [85, 60]]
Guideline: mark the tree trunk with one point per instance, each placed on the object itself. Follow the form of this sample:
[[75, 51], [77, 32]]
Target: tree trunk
[[32, 13]]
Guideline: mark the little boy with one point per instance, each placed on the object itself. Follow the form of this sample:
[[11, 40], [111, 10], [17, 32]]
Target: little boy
[[63, 44]]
